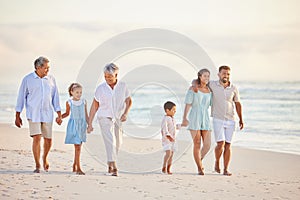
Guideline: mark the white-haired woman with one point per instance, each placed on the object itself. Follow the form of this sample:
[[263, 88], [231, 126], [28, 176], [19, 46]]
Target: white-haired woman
[[112, 102]]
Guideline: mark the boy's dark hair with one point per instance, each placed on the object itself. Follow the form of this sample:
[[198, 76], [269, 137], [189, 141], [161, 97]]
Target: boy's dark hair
[[169, 105]]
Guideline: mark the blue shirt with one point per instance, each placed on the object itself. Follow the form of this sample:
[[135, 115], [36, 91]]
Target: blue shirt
[[40, 97]]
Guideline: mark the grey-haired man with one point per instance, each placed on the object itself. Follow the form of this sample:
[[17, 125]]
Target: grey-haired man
[[39, 93]]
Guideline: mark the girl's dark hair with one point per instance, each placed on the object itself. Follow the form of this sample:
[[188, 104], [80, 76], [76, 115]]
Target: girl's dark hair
[[72, 87]]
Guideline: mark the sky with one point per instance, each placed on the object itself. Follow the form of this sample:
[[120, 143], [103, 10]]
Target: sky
[[260, 40]]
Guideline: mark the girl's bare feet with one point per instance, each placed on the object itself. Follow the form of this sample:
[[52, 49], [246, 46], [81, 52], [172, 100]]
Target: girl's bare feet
[[74, 168], [79, 172]]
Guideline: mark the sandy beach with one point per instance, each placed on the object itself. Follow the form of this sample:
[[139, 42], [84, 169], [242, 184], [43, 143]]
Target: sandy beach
[[256, 175]]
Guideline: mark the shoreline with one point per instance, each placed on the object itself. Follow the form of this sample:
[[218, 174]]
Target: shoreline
[[56, 129], [256, 174]]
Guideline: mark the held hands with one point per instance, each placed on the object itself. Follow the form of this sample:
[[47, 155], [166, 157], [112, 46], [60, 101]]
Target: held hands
[[185, 122], [90, 128], [58, 120], [170, 138]]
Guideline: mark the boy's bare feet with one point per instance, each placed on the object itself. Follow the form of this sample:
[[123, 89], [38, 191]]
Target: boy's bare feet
[[217, 167], [227, 173], [169, 170]]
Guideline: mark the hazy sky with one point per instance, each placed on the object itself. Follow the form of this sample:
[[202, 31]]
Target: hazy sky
[[259, 39]]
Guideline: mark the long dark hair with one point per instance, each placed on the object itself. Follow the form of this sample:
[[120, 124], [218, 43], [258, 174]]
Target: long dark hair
[[202, 71]]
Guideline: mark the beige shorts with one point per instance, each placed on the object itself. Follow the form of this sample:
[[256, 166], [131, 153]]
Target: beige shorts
[[37, 128]]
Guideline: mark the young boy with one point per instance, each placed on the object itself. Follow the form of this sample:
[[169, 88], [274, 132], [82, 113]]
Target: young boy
[[168, 129]]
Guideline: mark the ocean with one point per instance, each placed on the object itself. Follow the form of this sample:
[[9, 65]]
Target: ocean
[[270, 112]]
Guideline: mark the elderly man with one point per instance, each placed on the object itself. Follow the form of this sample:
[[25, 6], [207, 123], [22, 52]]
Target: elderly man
[[226, 99], [112, 103], [38, 92]]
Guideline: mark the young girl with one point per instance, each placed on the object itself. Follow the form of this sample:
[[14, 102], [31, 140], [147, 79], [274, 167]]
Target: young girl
[[77, 125]]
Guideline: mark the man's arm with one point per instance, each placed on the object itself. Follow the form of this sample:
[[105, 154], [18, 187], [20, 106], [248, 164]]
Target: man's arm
[[238, 107], [20, 103]]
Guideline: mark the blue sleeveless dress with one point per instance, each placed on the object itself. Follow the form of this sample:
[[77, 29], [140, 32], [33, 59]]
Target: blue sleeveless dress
[[198, 116], [76, 129]]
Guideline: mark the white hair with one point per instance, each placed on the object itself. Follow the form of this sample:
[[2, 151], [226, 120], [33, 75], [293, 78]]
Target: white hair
[[111, 68]]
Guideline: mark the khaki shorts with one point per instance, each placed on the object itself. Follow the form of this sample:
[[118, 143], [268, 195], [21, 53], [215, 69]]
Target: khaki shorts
[[37, 128]]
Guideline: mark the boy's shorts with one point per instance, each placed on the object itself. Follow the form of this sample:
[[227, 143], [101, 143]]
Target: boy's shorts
[[223, 130], [170, 146], [37, 128]]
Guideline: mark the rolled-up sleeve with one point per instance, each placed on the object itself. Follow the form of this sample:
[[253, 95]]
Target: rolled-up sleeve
[[236, 97], [21, 96], [55, 97]]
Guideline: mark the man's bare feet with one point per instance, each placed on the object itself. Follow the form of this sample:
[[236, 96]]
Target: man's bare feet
[[217, 167], [45, 164], [37, 168], [227, 173]]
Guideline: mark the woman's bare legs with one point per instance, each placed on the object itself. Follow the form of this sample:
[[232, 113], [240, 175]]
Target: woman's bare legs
[[196, 135], [206, 138]]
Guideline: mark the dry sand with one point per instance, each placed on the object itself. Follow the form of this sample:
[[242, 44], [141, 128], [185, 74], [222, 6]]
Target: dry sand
[[256, 174]]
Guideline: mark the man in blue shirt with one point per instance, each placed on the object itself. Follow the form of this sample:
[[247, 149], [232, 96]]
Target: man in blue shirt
[[39, 93]]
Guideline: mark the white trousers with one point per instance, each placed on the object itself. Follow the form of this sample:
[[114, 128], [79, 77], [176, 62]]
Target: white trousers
[[112, 136]]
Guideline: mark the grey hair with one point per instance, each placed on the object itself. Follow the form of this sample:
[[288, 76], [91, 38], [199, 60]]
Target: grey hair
[[40, 61], [111, 68]]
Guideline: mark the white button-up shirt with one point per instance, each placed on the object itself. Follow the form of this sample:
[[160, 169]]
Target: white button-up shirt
[[111, 101], [40, 96]]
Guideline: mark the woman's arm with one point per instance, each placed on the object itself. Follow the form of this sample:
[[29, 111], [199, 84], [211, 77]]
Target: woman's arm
[[128, 103], [94, 107], [187, 107]]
